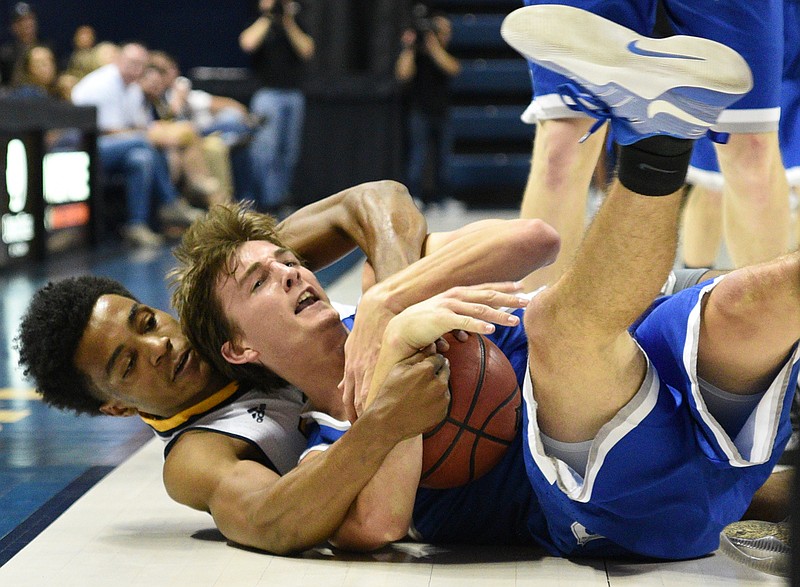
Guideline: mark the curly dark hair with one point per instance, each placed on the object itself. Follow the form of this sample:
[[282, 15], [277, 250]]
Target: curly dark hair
[[49, 335]]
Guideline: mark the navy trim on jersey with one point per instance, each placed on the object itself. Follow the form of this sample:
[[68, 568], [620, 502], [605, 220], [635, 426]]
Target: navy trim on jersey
[[265, 460]]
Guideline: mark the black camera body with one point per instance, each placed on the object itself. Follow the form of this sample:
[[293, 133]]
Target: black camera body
[[421, 21]]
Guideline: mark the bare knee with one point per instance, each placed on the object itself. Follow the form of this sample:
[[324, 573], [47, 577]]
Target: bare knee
[[734, 300], [757, 149], [748, 159], [751, 296], [560, 152], [550, 341]]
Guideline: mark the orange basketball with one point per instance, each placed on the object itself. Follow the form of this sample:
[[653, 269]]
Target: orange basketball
[[482, 419]]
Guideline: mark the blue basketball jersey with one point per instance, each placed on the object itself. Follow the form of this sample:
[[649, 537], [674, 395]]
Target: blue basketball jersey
[[663, 477], [498, 508]]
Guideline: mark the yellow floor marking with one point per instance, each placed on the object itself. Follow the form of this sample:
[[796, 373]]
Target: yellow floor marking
[[11, 416], [16, 393]]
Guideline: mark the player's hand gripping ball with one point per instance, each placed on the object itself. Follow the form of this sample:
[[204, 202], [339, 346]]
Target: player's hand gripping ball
[[482, 419]]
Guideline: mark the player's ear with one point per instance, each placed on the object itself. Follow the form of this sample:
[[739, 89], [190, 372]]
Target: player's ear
[[238, 354]]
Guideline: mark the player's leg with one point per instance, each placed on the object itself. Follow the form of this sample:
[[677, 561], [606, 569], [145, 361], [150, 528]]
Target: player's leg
[[577, 329], [585, 366], [754, 307], [562, 167], [773, 501], [701, 226], [756, 204], [701, 223], [789, 131], [558, 186]]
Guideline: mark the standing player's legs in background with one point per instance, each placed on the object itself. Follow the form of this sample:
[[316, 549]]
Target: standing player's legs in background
[[562, 167], [702, 231], [755, 191]]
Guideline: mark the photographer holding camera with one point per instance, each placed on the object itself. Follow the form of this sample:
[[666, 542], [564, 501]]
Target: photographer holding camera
[[426, 67], [280, 47]]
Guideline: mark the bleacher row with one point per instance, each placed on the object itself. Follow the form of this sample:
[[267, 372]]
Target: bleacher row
[[492, 147]]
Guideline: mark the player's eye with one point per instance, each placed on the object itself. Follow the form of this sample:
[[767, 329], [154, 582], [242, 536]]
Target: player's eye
[[129, 367], [150, 323]]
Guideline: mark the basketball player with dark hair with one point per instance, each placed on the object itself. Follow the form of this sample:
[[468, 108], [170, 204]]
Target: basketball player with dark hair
[[608, 380], [321, 232], [616, 409], [90, 346]]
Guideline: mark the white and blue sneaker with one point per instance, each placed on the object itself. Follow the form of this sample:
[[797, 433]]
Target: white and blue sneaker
[[676, 86], [764, 546]]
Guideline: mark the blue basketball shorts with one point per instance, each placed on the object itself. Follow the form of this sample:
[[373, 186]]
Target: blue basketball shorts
[[663, 476], [704, 168]]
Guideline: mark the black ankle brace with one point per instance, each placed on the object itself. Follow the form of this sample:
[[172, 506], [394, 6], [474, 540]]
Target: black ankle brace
[[655, 166]]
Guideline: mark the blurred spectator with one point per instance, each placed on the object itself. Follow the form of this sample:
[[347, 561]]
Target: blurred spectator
[[35, 74], [64, 84], [208, 112], [25, 34], [280, 48], [426, 66], [36, 77], [217, 118], [185, 147], [124, 147], [82, 59], [105, 52]]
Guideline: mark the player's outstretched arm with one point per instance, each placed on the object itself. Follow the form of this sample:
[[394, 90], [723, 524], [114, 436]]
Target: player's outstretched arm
[[486, 251], [253, 506]]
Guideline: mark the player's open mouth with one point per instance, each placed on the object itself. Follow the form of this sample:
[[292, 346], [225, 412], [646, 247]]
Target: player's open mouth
[[305, 300]]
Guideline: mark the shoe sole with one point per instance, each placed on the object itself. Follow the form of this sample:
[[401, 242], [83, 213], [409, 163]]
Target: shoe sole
[[596, 50], [767, 554], [688, 78]]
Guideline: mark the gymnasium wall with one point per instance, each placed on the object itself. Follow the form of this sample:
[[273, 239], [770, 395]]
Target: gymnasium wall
[[197, 32]]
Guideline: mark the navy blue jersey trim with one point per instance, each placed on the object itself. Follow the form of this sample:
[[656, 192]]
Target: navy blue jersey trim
[[265, 460]]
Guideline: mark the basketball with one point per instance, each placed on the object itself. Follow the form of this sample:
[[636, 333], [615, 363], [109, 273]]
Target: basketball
[[482, 418]]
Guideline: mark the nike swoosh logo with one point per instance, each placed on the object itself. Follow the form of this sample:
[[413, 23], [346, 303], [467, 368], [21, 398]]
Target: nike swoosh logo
[[664, 107], [646, 167], [636, 50]]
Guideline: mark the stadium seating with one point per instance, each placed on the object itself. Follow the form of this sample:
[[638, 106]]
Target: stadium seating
[[491, 145]]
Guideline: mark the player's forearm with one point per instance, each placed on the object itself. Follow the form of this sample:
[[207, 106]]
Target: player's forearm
[[509, 251], [383, 510], [310, 503], [378, 217], [393, 229]]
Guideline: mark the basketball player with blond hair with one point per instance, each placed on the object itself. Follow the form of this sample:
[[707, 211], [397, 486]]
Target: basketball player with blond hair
[[607, 379]]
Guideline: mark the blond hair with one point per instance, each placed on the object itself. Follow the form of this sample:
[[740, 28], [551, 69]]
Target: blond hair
[[206, 253]]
